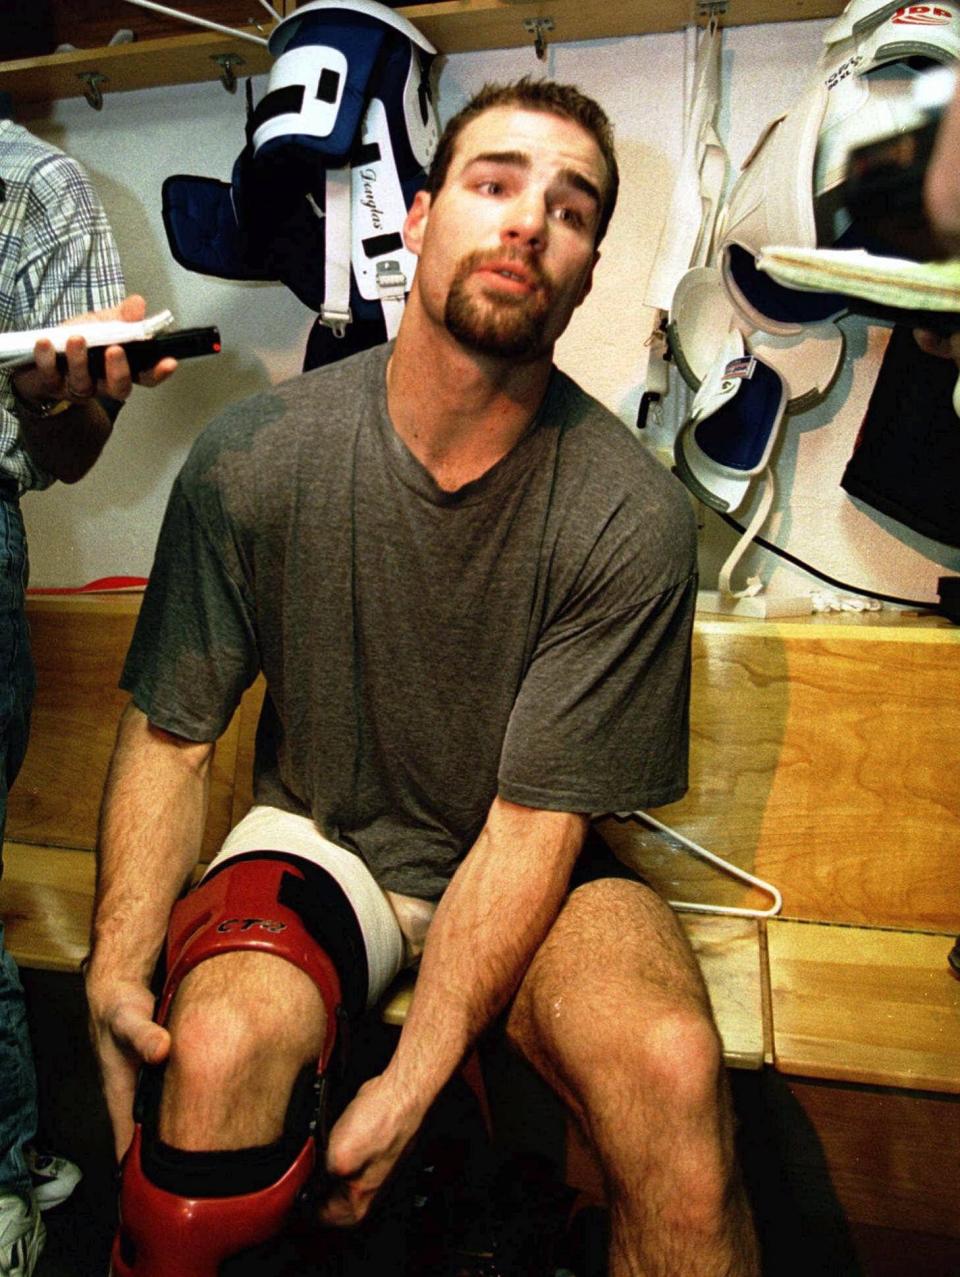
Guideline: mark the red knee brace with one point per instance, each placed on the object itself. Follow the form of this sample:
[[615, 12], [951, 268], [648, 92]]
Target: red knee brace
[[167, 1233], [241, 908]]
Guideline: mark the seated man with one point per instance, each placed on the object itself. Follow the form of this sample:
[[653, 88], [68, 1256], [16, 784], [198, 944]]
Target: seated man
[[470, 591]]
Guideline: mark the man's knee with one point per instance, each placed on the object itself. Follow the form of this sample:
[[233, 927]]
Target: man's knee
[[669, 1058], [239, 1019], [239, 1004], [614, 1001], [251, 996], [679, 1057]]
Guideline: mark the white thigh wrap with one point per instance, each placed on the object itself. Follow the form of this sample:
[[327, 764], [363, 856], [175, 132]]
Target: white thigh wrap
[[394, 927]]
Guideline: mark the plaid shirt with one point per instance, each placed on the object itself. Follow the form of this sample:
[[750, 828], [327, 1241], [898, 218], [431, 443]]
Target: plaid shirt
[[57, 259]]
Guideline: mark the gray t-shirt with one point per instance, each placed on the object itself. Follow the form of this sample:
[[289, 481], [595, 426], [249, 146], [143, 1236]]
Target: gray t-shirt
[[424, 651]]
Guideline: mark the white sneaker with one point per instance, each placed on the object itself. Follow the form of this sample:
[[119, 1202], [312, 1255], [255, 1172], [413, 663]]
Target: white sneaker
[[54, 1178], [22, 1235]]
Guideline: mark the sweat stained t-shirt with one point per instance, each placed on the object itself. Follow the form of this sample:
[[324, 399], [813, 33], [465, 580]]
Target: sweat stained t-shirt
[[526, 636]]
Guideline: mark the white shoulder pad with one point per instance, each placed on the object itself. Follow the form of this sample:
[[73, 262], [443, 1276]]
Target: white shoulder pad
[[914, 30], [772, 201], [861, 109], [702, 315], [872, 85], [859, 16], [309, 113]]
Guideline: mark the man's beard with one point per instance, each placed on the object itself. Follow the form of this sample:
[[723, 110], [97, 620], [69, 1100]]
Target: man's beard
[[506, 324]]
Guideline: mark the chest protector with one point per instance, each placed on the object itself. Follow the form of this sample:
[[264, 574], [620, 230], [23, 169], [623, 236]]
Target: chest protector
[[860, 91], [336, 150]]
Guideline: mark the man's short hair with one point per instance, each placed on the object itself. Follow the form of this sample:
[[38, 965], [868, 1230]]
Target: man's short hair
[[535, 95]]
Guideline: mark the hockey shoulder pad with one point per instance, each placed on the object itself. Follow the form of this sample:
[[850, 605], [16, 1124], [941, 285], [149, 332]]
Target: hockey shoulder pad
[[349, 116], [891, 33], [734, 422], [332, 56], [336, 151], [772, 203]]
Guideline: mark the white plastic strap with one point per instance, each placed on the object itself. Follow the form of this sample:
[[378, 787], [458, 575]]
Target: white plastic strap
[[335, 311], [383, 266], [712, 154], [756, 523], [689, 906], [658, 368], [718, 387]]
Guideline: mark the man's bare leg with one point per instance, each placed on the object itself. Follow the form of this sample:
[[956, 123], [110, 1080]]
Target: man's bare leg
[[243, 1026], [614, 1014]]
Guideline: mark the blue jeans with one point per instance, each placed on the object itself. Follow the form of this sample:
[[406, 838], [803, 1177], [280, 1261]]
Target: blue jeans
[[18, 1085]]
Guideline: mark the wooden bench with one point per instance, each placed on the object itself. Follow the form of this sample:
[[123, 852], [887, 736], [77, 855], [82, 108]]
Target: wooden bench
[[825, 758], [47, 893]]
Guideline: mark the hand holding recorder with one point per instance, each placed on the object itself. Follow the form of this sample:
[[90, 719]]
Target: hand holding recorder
[[101, 354]]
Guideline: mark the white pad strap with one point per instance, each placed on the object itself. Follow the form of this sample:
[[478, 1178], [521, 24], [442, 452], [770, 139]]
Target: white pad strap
[[382, 264], [392, 286], [335, 311], [753, 528]]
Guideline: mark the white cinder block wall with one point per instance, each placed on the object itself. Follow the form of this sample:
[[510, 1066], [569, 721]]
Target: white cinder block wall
[[107, 524]]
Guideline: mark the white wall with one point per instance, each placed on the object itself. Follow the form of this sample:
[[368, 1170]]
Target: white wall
[[108, 523]]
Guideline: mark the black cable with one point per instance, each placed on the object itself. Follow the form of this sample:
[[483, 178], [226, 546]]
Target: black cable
[[840, 585]]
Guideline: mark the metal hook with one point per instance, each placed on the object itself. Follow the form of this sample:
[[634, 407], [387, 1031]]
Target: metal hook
[[227, 62], [713, 10], [91, 87], [537, 27]]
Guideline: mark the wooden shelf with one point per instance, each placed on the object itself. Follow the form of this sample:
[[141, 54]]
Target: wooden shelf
[[453, 26], [186, 59], [461, 26]]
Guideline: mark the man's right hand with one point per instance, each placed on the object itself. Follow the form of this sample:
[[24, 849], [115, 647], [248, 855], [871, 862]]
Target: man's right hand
[[125, 1036]]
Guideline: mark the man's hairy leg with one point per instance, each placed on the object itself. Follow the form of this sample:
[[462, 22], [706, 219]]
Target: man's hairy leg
[[614, 1014], [243, 1025]]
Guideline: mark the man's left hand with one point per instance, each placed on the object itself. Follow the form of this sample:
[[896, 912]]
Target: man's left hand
[[44, 381], [364, 1147]]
